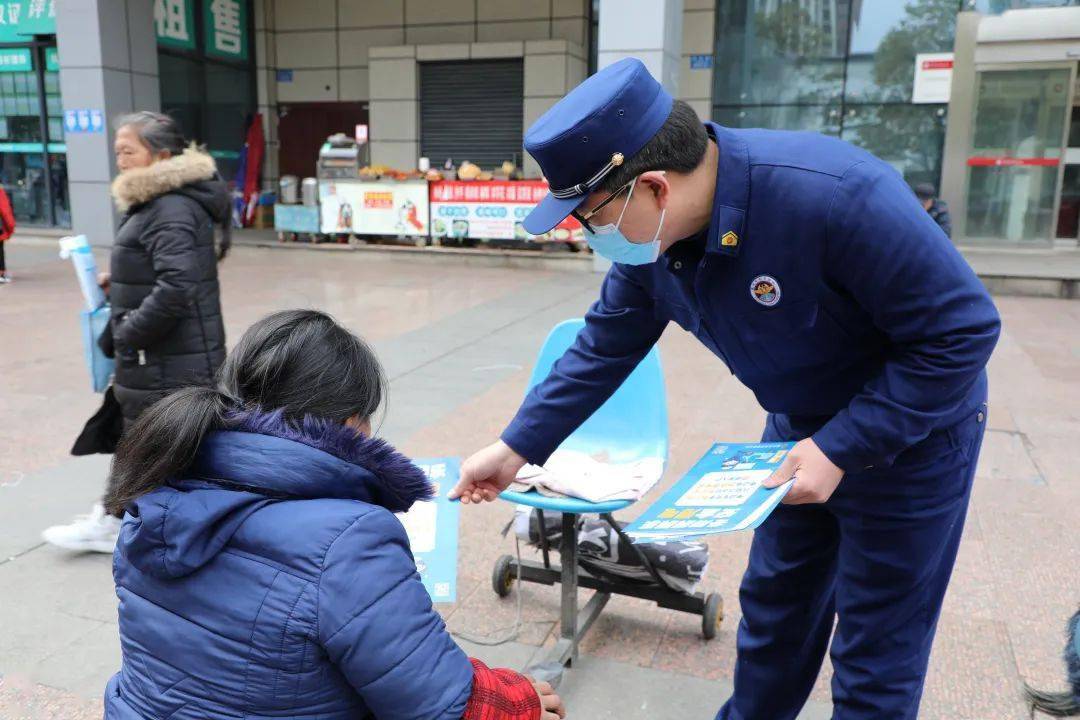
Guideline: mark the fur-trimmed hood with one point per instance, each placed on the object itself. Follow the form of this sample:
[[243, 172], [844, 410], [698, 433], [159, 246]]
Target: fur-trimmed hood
[[261, 458], [193, 172]]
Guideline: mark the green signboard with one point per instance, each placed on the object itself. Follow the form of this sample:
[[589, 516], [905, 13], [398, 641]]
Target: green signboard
[[20, 19], [52, 61], [174, 21], [15, 60], [225, 22]]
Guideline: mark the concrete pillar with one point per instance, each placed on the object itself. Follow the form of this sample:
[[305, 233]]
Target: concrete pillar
[[695, 83], [108, 63], [954, 170], [651, 31], [267, 89], [393, 86]]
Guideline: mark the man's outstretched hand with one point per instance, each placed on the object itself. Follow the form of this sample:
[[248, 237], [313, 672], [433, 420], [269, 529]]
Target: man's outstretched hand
[[487, 473]]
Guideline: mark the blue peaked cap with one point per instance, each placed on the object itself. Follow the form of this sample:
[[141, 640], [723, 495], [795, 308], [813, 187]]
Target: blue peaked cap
[[600, 123]]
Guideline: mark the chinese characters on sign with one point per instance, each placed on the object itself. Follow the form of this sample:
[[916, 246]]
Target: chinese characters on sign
[[20, 19], [10, 13], [175, 24], [15, 60], [224, 25], [516, 192], [41, 9], [226, 22], [493, 210]]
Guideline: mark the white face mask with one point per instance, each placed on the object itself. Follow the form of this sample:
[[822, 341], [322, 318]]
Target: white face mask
[[608, 242]]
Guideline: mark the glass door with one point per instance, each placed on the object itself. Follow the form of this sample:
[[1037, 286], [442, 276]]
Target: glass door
[[33, 156], [22, 159], [1018, 148]]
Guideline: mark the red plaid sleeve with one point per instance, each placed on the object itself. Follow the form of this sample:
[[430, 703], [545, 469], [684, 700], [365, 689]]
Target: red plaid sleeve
[[501, 694]]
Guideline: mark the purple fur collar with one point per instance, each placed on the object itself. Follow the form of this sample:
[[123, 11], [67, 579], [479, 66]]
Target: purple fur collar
[[398, 483]]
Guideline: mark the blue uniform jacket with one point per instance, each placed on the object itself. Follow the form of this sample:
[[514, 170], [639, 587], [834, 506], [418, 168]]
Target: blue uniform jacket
[[273, 581], [880, 334]]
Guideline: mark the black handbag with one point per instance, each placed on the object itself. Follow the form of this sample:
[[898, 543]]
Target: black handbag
[[102, 431]]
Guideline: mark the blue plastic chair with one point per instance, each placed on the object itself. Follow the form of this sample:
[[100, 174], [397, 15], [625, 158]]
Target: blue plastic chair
[[631, 425]]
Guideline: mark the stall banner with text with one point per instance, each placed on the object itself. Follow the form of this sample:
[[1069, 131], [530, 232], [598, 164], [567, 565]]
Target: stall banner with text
[[492, 210], [721, 493], [432, 527], [384, 207]]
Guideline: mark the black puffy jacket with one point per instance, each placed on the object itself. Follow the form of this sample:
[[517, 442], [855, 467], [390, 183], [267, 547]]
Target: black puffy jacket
[[167, 329]]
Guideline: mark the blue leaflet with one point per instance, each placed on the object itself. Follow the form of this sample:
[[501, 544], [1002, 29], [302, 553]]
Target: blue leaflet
[[721, 493], [432, 527]]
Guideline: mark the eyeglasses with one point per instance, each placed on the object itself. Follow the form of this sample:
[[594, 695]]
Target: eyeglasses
[[583, 218]]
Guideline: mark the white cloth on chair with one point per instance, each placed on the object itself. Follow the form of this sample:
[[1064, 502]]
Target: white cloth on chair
[[569, 473]]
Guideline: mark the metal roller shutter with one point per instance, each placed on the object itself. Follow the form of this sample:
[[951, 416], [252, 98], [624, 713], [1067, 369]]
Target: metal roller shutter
[[471, 110]]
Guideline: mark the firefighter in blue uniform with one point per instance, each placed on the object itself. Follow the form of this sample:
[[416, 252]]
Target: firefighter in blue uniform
[[810, 269]]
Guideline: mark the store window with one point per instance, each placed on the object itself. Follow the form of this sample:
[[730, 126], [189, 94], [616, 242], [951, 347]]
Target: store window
[[885, 38], [1017, 148], [181, 90], [780, 51], [818, 118], [33, 163], [205, 61], [908, 137], [839, 67]]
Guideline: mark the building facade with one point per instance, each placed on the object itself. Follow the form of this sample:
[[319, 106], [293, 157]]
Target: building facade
[[456, 80]]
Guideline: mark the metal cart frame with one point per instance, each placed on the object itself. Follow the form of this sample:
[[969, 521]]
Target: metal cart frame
[[574, 624]]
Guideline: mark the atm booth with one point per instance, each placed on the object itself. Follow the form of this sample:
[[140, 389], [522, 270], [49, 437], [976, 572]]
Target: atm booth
[[1012, 157]]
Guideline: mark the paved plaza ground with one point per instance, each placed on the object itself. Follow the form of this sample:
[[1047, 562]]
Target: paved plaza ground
[[458, 340]]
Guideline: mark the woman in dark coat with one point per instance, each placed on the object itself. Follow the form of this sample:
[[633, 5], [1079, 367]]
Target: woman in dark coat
[[166, 329]]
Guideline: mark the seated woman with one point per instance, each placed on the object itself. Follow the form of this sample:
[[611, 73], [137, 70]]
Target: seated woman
[[260, 569]]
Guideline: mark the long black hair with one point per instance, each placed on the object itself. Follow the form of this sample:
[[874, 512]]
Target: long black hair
[[301, 362], [162, 133]]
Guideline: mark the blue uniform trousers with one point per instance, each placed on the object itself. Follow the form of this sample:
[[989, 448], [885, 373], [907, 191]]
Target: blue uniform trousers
[[876, 558]]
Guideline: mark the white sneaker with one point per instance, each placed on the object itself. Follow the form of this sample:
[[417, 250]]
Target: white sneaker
[[4, 280], [96, 532]]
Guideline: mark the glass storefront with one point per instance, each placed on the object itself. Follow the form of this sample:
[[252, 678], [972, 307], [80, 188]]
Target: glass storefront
[[1019, 134], [840, 67], [207, 73], [33, 160]]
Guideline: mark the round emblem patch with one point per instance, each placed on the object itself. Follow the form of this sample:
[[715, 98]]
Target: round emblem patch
[[765, 290]]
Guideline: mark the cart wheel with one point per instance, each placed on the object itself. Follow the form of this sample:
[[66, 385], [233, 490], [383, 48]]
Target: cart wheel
[[712, 616], [501, 577]]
